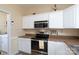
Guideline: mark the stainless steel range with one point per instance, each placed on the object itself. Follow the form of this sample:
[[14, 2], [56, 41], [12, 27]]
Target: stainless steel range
[[40, 44]]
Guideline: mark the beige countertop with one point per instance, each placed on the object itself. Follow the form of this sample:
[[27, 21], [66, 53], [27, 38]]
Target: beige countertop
[[70, 40]]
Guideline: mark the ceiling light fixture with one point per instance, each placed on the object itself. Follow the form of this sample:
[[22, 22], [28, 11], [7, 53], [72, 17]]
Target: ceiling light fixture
[[54, 7]]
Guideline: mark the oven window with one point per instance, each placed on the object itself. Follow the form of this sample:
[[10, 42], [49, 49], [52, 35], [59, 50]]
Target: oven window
[[35, 46]]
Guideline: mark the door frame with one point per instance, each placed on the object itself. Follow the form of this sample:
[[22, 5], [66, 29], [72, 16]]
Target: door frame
[[9, 28]]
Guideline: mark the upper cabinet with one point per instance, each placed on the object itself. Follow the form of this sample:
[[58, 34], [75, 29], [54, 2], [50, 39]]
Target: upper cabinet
[[41, 17], [71, 17], [68, 18], [28, 22], [56, 19]]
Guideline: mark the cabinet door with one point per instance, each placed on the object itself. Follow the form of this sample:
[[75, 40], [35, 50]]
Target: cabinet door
[[56, 19], [4, 43], [69, 17], [57, 48], [41, 17], [28, 22], [0, 42], [77, 15], [51, 48], [25, 45]]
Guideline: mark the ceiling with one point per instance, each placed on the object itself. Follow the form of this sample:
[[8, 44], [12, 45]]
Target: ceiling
[[28, 9], [42, 5]]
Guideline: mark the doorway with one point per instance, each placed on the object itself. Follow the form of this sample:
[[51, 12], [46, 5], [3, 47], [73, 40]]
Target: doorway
[[5, 32]]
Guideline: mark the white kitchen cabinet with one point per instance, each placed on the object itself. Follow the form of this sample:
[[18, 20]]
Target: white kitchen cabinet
[[41, 17], [56, 19], [0, 43], [71, 17], [28, 22], [58, 48], [4, 43], [24, 44], [77, 16]]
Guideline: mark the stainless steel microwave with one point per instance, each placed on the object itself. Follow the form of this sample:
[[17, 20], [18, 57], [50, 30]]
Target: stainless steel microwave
[[41, 24]]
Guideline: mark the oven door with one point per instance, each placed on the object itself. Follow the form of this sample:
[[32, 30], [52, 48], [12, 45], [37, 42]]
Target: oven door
[[35, 46], [45, 47]]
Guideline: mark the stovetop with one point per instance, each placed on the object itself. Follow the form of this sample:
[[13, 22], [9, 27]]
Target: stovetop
[[37, 39]]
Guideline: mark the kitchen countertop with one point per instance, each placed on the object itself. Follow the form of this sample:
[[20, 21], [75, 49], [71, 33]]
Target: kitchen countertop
[[25, 37], [70, 40], [50, 36]]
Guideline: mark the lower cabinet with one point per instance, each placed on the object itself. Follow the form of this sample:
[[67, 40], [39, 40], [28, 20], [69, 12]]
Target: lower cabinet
[[4, 43], [24, 44], [54, 48], [57, 48]]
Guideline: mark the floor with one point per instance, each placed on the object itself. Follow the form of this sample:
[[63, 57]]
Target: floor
[[75, 49], [22, 53], [33, 53]]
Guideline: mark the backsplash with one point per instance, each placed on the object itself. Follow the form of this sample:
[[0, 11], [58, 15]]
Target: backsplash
[[70, 32]]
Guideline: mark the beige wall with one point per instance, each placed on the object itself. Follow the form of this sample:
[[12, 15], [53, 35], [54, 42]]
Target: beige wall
[[3, 25]]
